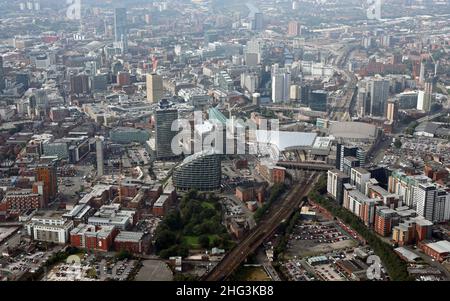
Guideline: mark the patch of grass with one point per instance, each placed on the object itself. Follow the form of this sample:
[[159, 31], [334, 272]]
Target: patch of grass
[[208, 205], [193, 241], [250, 274]]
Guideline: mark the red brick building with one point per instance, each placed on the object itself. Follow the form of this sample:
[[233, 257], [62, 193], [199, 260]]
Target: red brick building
[[22, 200], [271, 173], [438, 250], [47, 175], [245, 193], [384, 220], [412, 231], [133, 242], [161, 206], [93, 238]]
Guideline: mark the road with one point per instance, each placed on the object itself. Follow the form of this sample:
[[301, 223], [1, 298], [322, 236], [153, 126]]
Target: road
[[280, 211]]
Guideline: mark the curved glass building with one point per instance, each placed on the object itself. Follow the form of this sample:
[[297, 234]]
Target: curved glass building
[[201, 171]]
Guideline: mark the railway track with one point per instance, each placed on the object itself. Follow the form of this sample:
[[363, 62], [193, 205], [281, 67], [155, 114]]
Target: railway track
[[280, 211]]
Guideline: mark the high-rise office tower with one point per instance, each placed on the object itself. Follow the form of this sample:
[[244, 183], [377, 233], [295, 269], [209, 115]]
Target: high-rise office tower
[[422, 72], [392, 111], [281, 81], [164, 117], [99, 153], [155, 90], [428, 97], [318, 101], [379, 93], [425, 97], [121, 28], [343, 151], [258, 22], [253, 52]]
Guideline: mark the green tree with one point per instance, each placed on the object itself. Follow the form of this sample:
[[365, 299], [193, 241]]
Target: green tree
[[203, 240], [165, 239], [398, 143]]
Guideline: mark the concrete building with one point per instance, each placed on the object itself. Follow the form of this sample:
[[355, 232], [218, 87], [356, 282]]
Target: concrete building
[[425, 97], [335, 184], [112, 215], [405, 185], [432, 203], [376, 100], [155, 89], [126, 135], [49, 226], [201, 171], [99, 156], [281, 81], [164, 117], [359, 177], [392, 111]]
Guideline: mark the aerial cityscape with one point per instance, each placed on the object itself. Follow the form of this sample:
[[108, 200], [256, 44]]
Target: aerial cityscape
[[213, 140]]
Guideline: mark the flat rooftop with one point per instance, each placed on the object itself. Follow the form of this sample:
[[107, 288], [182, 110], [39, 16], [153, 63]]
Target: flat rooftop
[[129, 236], [442, 246], [353, 130]]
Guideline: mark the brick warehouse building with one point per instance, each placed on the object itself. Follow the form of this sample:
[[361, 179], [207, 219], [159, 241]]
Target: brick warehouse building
[[438, 250]]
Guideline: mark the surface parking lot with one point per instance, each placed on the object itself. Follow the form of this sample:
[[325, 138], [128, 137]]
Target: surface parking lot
[[324, 233], [313, 238], [91, 270]]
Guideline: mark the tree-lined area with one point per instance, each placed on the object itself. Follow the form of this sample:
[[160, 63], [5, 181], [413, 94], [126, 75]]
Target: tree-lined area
[[197, 224]]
